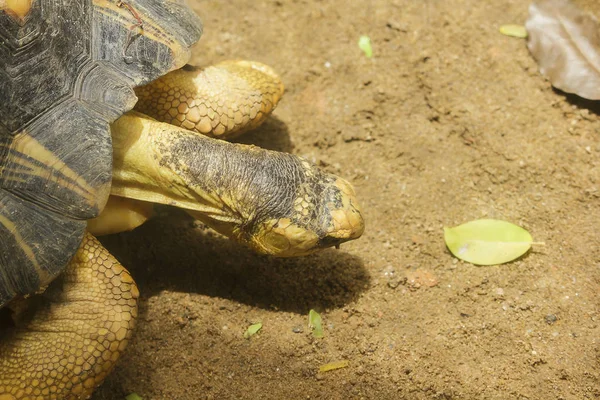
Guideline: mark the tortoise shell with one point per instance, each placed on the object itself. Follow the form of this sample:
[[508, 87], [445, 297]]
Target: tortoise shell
[[67, 69]]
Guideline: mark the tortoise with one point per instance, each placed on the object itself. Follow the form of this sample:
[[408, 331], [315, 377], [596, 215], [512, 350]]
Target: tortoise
[[76, 162]]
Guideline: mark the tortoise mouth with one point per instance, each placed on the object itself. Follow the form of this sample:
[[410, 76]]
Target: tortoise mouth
[[190, 68], [330, 241], [6, 320], [293, 240]]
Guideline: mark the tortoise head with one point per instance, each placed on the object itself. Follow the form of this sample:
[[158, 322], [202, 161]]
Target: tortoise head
[[324, 212], [276, 203]]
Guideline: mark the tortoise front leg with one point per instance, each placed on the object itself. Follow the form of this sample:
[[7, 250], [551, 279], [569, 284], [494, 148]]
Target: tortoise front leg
[[69, 338], [221, 101]]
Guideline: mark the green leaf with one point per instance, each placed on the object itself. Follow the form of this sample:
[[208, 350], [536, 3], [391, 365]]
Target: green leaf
[[487, 241], [517, 31], [133, 396], [314, 323], [252, 330], [364, 43]]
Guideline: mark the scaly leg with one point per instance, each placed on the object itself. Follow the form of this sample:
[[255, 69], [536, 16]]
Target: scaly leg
[[67, 340], [222, 101]]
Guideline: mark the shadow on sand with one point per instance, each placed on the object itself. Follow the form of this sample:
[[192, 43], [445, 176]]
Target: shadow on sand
[[173, 253]]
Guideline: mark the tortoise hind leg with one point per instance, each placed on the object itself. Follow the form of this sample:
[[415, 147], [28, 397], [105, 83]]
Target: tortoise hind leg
[[68, 341], [222, 101]]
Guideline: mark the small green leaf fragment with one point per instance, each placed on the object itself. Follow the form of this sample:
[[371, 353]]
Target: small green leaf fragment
[[333, 365], [252, 330], [517, 31], [133, 396], [314, 323], [364, 43], [487, 241]]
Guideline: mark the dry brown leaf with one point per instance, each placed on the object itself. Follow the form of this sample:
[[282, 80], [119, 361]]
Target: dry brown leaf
[[565, 41]]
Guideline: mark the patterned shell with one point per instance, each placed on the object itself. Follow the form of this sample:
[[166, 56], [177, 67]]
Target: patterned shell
[[67, 68]]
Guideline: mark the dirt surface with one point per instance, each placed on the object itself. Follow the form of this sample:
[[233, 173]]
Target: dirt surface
[[448, 122]]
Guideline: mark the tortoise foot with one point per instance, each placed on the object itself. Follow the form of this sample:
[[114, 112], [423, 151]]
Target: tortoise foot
[[67, 340]]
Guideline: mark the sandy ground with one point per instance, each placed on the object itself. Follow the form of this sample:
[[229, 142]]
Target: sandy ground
[[448, 122]]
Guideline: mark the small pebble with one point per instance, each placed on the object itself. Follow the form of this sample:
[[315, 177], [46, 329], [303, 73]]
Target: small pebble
[[297, 329], [394, 283], [551, 319]]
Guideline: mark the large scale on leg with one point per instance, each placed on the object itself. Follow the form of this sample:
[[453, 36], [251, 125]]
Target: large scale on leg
[[59, 163]]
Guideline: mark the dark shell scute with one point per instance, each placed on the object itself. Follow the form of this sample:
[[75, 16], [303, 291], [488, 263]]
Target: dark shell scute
[[67, 71]]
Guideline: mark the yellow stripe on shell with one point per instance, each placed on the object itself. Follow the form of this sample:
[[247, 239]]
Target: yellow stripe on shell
[[27, 250], [149, 29], [51, 168]]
